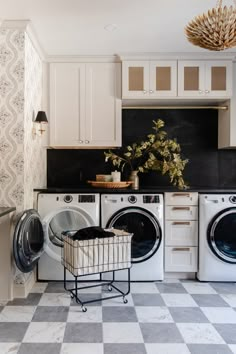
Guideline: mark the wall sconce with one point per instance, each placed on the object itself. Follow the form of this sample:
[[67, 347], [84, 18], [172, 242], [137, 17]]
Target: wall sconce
[[40, 123]]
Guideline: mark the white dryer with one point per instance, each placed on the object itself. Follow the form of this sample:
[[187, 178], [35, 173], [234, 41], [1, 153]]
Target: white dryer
[[217, 237], [142, 215], [37, 237]]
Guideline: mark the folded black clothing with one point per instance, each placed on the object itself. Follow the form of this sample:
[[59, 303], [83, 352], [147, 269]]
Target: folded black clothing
[[90, 233]]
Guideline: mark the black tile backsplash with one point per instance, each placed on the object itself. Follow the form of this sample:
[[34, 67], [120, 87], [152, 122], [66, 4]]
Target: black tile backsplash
[[195, 130]]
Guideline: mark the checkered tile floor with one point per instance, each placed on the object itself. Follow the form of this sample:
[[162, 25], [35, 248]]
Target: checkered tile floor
[[170, 317]]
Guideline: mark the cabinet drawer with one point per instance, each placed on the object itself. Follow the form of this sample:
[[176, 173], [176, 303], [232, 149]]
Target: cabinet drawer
[[181, 213], [181, 259], [181, 233], [181, 198]]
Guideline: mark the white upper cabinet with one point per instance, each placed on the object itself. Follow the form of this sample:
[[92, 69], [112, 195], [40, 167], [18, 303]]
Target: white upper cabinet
[[203, 79], [85, 104], [149, 79]]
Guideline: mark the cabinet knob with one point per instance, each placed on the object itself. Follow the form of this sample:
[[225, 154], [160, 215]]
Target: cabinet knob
[[81, 141], [207, 91], [86, 141], [151, 91], [200, 92], [144, 91]]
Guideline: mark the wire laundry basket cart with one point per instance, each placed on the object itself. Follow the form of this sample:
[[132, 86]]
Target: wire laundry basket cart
[[98, 255]]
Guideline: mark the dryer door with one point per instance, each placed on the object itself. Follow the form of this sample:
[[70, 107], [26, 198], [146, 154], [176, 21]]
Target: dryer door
[[63, 219], [221, 235], [28, 240], [145, 227]]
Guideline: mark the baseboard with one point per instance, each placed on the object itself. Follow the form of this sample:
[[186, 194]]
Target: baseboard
[[179, 275], [22, 290]]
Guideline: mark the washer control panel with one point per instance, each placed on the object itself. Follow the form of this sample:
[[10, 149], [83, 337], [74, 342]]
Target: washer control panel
[[232, 199]]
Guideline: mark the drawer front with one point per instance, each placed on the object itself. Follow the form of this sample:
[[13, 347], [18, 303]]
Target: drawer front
[[181, 213], [181, 233], [181, 198], [181, 259]]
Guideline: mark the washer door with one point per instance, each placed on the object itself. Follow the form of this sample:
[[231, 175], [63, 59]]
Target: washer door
[[64, 219], [221, 235], [145, 227], [28, 240]]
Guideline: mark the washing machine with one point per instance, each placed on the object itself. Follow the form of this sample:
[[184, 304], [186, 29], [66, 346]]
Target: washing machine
[[217, 237], [37, 237], [142, 215]]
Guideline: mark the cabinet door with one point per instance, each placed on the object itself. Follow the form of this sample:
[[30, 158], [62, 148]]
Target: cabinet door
[[218, 78], [103, 104], [181, 259], [135, 79], [163, 78], [191, 78], [67, 104]]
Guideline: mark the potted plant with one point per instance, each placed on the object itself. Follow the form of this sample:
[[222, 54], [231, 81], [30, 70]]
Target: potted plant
[[156, 153]]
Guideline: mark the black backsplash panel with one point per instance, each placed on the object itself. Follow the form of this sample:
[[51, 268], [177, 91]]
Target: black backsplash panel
[[195, 130]]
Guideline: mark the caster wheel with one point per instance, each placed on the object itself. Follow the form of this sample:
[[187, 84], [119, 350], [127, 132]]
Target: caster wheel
[[125, 301], [84, 309], [109, 288]]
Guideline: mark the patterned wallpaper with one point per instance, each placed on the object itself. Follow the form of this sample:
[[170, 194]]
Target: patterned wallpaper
[[22, 156], [34, 153]]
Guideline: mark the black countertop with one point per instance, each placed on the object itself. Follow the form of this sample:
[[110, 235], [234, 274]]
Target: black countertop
[[86, 189], [6, 210]]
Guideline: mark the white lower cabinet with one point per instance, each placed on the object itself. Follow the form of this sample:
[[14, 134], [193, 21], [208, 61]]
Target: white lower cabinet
[[181, 232], [181, 259], [85, 105]]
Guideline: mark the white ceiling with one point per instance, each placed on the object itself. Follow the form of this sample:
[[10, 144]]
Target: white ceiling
[[76, 27]]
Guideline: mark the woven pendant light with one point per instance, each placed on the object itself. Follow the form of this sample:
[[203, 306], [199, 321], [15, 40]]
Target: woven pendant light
[[214, 30]]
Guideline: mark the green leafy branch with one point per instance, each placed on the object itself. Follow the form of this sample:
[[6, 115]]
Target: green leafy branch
[[157, 153]]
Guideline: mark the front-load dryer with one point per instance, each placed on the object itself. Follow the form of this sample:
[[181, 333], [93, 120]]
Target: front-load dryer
[[37, 236], [142, 215], [217, 237]]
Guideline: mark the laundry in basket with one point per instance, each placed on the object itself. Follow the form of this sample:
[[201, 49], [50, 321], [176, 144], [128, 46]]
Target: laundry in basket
[[98, 250]]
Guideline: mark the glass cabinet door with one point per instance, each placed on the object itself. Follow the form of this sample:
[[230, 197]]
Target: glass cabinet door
[[219, 78], [135, 79], [163, 78], [191, 78]]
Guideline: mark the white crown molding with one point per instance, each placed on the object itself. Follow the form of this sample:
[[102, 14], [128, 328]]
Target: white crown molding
[[178, 56], [26, 25], [19, 24], [83, 59]]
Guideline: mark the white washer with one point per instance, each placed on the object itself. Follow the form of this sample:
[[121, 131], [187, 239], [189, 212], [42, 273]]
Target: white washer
[[217, 237], [142, 215], [61, 212]]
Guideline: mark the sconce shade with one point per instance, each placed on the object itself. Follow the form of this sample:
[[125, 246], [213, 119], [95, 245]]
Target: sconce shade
[[41, 117]]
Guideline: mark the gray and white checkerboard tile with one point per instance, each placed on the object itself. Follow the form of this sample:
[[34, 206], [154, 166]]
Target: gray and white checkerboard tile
[[178, 317]]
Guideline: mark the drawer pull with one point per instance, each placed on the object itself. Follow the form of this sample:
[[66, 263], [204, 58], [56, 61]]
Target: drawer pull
[[181, 208], [181, 223], [186, 249], [181, 195]]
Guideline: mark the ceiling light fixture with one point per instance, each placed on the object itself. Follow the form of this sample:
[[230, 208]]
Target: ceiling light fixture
[[110, 27], [214, 30]]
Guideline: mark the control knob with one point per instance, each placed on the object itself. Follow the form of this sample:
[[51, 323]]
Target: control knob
[[68, 198], [232, 199], [132, 199]]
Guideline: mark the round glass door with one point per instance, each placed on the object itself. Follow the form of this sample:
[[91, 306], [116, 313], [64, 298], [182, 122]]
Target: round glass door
[[145, 227], [64, 219], [222, 235], [28, 241]]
